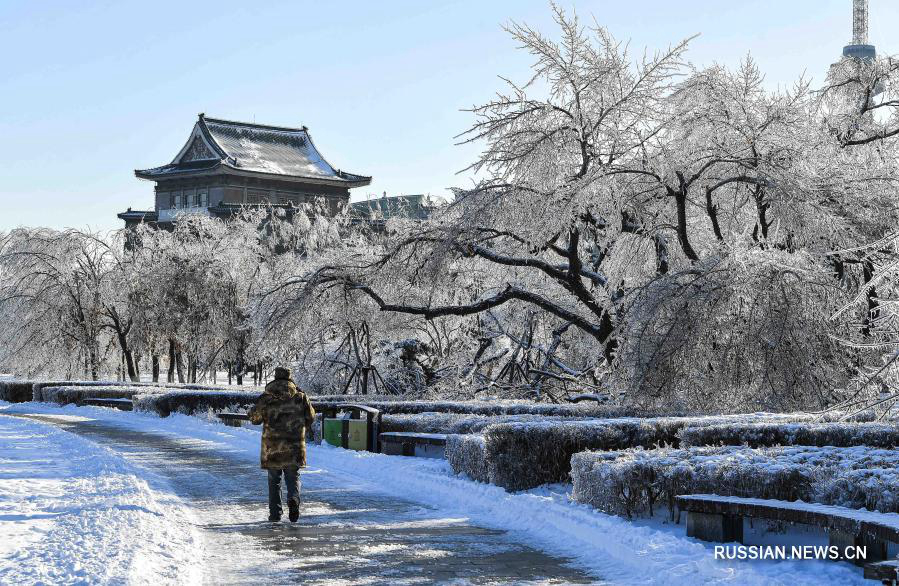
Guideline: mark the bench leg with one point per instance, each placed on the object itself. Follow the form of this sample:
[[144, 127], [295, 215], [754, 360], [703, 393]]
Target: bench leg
[[717, 528], [875, 549]]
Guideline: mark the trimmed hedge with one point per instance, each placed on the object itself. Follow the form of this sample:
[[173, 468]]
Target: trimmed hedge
[[482, 407], [639, 482], [38, 387], [525, 455], [467, 454], [879, 435], [64, 395], [16, 391], [190, 402], [457, 423]]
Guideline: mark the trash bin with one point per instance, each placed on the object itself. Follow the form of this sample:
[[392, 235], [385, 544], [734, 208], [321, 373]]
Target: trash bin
[[358, 432], [332, 431]]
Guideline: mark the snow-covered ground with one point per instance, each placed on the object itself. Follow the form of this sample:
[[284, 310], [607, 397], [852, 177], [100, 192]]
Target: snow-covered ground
[[618, 550], [72, 512]]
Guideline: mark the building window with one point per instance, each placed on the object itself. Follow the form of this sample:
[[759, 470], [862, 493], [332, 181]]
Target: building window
[[257, 196], [189, 199], [177, 200], [202, 198]]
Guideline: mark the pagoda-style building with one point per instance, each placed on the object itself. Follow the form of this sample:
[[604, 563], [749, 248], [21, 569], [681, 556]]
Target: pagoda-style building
[[227, 165]]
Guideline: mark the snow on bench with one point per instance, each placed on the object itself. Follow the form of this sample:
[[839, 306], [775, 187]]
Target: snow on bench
[[233, 419], [122, 404], [720, 519], [406, 443]]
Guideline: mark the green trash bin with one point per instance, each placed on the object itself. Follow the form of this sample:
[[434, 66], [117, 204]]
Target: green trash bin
[[332, 431]]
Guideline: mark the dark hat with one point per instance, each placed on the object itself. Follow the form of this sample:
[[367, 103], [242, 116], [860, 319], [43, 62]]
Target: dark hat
[[283, 373]]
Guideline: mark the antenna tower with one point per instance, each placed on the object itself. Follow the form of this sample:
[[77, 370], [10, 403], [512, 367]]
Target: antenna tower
[[860, 22]]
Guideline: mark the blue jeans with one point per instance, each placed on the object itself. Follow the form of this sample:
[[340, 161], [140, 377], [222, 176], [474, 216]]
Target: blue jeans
[[291, 479]]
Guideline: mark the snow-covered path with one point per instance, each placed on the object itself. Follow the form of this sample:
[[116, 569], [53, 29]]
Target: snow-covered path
[[347, 535]]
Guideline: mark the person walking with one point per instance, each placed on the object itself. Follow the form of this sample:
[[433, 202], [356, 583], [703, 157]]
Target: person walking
[[284, 412]]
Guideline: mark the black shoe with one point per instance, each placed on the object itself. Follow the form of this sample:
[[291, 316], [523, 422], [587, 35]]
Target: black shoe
[[294, 506], [274, 518]]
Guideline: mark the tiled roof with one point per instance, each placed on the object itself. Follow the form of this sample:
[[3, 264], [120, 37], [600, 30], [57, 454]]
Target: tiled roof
[[254, 149]]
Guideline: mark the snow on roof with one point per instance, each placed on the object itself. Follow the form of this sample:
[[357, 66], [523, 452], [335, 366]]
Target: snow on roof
[[253, 148]]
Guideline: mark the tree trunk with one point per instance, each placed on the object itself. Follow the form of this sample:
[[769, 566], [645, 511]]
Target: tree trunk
[[155, 367], [179, 365], [171, 377], [680, 199], [873, 302]]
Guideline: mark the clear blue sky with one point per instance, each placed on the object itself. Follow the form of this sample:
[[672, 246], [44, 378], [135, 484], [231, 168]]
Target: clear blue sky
[[91, 90]]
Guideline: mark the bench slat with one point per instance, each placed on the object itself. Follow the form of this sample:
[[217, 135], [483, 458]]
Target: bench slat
[[123, 404], [850, 521], [434, 439]]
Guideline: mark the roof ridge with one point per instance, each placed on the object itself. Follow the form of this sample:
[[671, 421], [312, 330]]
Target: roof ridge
[[253, 124]]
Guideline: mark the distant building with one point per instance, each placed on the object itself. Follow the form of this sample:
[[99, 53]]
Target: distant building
[[860, 48], [415, 207], [227, 165]]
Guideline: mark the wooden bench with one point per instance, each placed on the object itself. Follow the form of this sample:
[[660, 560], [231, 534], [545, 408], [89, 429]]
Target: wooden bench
[[720, 519], [122, 404], [233, 419], [886, 572], [423, 445]]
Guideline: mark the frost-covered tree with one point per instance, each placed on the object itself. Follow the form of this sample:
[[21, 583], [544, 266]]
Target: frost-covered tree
[[672, 232]]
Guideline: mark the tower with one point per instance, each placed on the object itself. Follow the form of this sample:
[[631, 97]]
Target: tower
[[860, 49]]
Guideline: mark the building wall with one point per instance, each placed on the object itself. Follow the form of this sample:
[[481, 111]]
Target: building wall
[[218, 189]]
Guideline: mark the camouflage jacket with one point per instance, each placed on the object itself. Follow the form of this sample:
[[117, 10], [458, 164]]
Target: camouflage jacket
[[285, 412]]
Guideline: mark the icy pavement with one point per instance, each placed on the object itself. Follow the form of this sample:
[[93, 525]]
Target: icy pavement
[[346, 535]]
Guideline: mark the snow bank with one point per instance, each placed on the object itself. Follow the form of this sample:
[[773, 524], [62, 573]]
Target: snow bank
[[72, 512], [614, 549], [635, 482]]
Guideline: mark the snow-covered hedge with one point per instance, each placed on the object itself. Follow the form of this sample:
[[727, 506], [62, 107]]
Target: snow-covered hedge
[[458, 423], [467, 454], [639, 482], [880, 435], [492, 408], [63, 395], [37, 388], [525, 455], [16, 391], [164, 402]]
